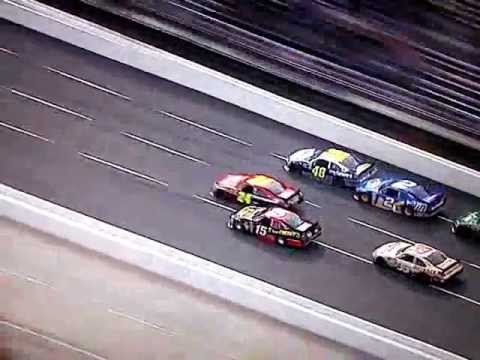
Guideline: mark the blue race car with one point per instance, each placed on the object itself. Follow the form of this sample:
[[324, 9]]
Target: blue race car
[[400, 196], [330, 166]]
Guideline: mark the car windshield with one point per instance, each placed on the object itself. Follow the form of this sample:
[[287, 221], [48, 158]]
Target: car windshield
[[293, 220], [436, 258], [419, 192], [349, 162], [274, 186]]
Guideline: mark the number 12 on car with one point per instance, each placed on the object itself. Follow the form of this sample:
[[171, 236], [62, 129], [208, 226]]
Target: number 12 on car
[[319, 172]]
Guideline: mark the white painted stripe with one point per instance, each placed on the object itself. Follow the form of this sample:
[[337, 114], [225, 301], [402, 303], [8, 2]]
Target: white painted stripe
[[123, 169], [214, 203], [356, 257], [164, 148], [25, 277], [52, 340], [11, 52], [312, 204], [445, 219], [475, 266], [143, 322], [88, 83], [475, 302], [281, 157], [399, 237], [52, 105], [22, 131], [206, 128]]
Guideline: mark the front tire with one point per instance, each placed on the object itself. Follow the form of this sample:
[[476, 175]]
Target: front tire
[[408, 211], [362, 197], [380, 262]]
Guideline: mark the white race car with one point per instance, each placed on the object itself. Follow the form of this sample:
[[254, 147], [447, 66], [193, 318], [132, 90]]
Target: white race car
[[417, 260]]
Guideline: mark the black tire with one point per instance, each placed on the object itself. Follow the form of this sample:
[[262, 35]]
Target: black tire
[[219, 194], [463, 231], [362, 197], [380, 262], [409, 211], [292, 169]]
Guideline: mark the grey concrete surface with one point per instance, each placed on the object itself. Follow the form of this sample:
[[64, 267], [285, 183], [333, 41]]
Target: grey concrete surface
[[55, 172], [58, 301]]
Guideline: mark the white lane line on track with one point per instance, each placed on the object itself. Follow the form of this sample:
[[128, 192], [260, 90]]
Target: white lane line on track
[[214, 203], [281, 157], [25, 277], [445, 219], [164, 148], [475, 266], [88, 83], [10, 52], [52, 340], [123, 169], [141, 321], [313, 204], [343, 252], [49, 104], [381, 230], [25, 132], [206, 128], [475, 302]]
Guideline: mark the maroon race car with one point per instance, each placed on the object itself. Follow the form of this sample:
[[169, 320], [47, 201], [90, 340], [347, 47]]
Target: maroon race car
[[275, 225], [256, 189]]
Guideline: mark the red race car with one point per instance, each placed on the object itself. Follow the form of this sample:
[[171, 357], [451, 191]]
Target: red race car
[[275, 225], [256, 189]]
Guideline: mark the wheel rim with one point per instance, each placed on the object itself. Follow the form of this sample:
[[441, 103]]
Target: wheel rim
[[364, 198], [408, 211]]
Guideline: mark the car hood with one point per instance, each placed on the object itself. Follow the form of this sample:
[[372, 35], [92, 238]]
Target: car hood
[[301, 155], [391, 249], [372, 184], [362, 168], [287, 194]]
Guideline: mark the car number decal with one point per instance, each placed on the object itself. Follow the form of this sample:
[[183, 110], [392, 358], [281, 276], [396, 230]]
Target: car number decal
[[244, 198], [319, 172], [261, 230]]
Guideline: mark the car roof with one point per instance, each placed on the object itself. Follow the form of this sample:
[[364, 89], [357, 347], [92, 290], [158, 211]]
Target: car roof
[[419, 250], [334, 155], [278, 213], [261, 180], [403, 185]]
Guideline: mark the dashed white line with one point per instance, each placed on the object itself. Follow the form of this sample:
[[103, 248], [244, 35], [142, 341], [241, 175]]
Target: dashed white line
[[123, 169], [88, 83], [475, 302], [402, 238], [25, 132], [214, 203], [52, 340], [281, 157], [343, 252], [49, 104], [445, 219], [206, 128], [25, 277], [143, 322], [477, 267], [164, 148], [313, 204], [11, 52]]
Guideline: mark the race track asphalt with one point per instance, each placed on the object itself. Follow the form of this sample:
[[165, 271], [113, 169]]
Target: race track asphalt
[[68, 102]]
